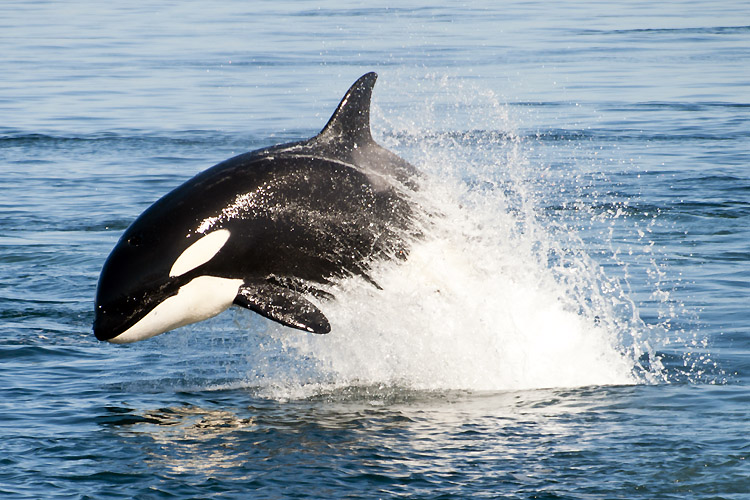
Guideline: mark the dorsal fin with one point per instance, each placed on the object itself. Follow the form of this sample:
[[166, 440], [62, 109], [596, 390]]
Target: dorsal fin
[[350, 122]]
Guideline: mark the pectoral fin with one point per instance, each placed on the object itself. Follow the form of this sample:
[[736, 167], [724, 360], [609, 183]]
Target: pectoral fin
[[282, 305]]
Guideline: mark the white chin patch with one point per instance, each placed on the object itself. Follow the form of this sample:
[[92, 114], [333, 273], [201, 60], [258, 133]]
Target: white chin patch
[[201, 298], [199, 252]]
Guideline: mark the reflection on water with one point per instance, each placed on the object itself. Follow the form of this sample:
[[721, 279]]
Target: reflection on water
[[396, 433], [189, 439]]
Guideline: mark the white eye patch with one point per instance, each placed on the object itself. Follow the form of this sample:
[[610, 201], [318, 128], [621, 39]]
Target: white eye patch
[[199, 252]]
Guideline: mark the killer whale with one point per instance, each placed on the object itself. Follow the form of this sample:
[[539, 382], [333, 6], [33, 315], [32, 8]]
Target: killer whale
[[265, 230]]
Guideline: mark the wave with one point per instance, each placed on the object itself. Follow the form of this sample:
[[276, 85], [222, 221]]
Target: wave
[[607, 136], [138, 139], [698, 30]]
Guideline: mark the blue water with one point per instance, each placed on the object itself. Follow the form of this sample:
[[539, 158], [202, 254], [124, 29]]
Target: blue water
[[574, 325]]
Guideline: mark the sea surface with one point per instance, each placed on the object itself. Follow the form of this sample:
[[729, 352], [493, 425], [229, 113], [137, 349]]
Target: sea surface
[[575, 324]]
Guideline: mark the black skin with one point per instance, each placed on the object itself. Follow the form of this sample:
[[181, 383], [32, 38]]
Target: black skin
[[308, 214]]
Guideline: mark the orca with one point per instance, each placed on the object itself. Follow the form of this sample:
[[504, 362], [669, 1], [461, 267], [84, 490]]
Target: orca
[[271, 230]]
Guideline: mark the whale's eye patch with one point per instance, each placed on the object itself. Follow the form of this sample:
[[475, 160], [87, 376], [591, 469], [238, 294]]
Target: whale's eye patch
[[199, 252]]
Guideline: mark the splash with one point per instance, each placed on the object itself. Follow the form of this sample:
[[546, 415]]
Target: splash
[[494, 297]]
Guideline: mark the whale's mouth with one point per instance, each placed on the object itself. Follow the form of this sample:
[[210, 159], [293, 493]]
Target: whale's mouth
[[114, 319], [105, 328], [116, 316]]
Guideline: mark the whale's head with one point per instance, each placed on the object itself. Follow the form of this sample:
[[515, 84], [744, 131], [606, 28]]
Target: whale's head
[[158, 278]]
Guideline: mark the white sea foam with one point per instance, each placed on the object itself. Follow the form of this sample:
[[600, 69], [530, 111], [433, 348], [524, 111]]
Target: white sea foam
[[493, 297], [464, 312]]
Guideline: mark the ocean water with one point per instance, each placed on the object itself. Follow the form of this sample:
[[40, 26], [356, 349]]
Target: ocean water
[[573, 325]]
